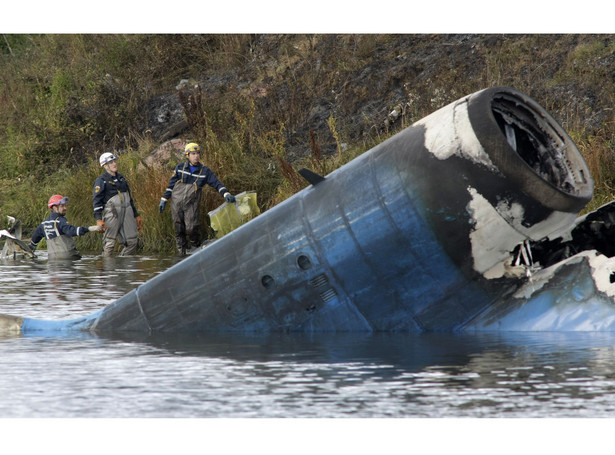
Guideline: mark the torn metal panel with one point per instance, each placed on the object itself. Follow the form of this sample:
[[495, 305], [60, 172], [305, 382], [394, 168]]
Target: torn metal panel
[[14, 247]]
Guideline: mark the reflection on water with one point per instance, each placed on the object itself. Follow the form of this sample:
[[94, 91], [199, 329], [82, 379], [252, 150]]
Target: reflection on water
[[68, 289], [279, 375]]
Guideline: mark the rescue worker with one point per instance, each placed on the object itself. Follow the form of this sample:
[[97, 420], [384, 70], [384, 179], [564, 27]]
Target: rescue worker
[[184, 190], [57, 231], [114, 208]]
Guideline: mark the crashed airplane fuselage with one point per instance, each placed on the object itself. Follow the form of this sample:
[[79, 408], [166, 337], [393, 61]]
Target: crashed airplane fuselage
[[419, 233]]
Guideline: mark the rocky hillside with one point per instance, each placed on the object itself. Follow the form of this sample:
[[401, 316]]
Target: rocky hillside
[[370, 84], [87, 93]]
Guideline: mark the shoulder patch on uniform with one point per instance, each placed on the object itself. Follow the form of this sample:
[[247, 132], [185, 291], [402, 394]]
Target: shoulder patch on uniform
[[97, 189]]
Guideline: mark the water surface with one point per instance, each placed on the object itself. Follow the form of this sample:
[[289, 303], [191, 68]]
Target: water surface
[[490, 375]]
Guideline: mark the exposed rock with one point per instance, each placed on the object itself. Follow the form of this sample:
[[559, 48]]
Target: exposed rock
[[172, 150], [165, 117]]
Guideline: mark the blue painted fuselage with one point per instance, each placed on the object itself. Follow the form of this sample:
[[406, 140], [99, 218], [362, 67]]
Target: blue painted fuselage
[[416, 234]]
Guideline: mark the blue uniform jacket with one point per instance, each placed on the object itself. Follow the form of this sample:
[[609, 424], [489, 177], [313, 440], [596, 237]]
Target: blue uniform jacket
[[105, 187], [201, 175], [53, 226]]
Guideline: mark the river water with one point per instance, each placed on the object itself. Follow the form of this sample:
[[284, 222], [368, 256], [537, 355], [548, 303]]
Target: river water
[[490, 375]]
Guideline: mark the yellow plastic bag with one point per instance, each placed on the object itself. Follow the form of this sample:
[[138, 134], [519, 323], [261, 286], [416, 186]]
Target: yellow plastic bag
[[228, 217]]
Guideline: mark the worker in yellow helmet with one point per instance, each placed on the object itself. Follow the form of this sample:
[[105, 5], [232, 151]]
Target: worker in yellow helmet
[[184, 191]]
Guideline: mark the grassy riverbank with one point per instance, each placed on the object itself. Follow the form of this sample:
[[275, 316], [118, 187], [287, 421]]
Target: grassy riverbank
[[271, 104], [274, 180]]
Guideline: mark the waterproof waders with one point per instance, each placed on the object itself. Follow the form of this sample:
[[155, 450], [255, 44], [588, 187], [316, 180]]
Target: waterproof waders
[[185, 212], [121, 224], [62, 247]]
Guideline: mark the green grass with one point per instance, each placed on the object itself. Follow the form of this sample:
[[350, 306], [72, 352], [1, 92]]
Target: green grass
[[65, 99]]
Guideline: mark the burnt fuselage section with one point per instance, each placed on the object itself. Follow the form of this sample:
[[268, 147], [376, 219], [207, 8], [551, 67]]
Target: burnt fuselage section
[[416, 234]]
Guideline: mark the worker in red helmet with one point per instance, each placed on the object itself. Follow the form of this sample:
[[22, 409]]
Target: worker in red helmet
[[57, 231]]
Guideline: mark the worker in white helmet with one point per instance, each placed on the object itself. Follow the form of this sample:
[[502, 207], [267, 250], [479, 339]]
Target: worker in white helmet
[[114, 208]]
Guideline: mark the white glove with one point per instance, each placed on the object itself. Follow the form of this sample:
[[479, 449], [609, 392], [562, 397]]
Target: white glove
[[96, 228]]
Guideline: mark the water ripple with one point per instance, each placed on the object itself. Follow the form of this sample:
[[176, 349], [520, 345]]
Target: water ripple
[[279, 375]]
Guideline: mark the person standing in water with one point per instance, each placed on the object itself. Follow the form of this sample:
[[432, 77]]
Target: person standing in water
[[58, 233], [184, 191], [114, 208]]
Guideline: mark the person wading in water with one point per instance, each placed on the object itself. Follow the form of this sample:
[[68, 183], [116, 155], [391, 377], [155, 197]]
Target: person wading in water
[[58, 233], [114, 208], [184, 190]]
